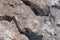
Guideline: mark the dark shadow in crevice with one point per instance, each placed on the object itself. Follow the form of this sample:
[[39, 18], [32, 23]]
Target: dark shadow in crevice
[[37, 11], [52, 18], [31, 35], [55, 34], [48, 13], [58, 25], [55, 6], [7, 18], [28, 32]]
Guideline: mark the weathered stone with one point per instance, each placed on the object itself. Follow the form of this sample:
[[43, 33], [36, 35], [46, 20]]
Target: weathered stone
[[39, 5], [30, 17]]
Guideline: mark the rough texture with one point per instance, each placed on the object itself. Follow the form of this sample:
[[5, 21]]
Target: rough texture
[[29, 20]]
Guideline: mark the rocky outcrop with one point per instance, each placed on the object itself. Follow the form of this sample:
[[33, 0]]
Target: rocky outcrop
[[29, 20]]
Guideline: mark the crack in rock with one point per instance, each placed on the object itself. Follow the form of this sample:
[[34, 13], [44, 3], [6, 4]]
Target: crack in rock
[[56, 6], [26, 31], [38, 11]]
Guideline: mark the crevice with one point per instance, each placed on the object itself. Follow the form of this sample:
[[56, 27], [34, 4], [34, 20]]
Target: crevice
[[7, 18], [55, 6], [27, 32], [31, 35], [58, 25], [37, 11], [48, 32]]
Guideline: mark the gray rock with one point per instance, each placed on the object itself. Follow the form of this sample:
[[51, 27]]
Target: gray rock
[[36, 20]]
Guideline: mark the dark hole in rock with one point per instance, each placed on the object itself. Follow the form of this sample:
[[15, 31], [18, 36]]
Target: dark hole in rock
[[58, 25], [37, 11], [55, 34], [31, 35], [13, 5]]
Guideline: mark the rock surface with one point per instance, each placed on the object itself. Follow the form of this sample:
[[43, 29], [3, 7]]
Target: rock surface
[[29, 19]]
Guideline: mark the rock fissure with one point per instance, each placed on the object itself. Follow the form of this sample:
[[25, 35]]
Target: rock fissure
[[27, 32], [37, 11]]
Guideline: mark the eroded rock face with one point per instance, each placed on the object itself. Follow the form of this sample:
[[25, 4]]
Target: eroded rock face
[[29, 20], [8, 31], [40, 5]]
